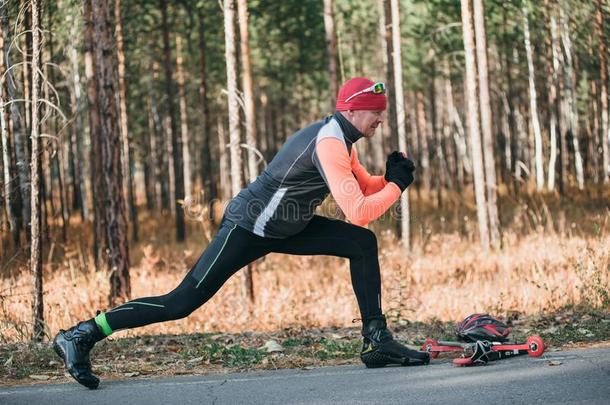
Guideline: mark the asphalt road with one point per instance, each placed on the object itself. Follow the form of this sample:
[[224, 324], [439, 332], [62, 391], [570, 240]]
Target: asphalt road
[[583, 377]]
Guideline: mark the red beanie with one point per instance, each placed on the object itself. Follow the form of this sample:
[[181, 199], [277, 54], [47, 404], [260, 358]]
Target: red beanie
[[364, 101]]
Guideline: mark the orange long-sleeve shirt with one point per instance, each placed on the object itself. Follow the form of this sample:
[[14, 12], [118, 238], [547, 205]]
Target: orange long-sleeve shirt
[[362, 197]]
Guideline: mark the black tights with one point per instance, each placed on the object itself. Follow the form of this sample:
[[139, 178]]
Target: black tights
[[233, 248]]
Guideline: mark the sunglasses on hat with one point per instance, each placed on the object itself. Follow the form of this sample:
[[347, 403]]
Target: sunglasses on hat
[[377, 88]]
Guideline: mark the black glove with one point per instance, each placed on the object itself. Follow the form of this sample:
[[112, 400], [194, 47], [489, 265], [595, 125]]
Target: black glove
[[399, 170], [395, 157]]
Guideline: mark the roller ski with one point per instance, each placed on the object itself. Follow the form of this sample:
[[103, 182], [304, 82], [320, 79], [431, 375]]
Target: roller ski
[[379, 348], [483, 339]]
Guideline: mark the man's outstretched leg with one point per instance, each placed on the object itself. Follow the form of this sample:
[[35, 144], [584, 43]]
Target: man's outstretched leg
[[231, 249], [324, 236]]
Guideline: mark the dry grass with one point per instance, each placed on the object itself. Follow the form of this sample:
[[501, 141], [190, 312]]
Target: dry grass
[[552, 257]]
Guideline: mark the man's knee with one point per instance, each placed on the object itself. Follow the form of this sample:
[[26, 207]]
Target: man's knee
[[179, 311], [366, 239], [181, 302]]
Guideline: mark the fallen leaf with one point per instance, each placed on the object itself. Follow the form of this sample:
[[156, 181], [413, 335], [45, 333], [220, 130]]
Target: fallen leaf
[[554, 363], [41, 377], [217, 337], [131, 374], [272, 346], [9, 362], [195, 360]]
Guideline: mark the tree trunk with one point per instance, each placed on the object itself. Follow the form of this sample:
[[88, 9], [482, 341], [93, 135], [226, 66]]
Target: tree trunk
[[148, 160], [56, 155], [491, 183], [378, 146], [21, 145], [509, 104], [157, 145], [435, 134], [508, 135], [552, 78], [36, 236], [603, 93], [224, 162], [424, 153], [263, 122], [533, 100], [473, 123], [463, 164], [571, 97], [385, 65], [248, 89], [446, 146], [7, 161], [208, 174], [331, 51], [79, 189], [99, 219], [558, 108], [234, 129], [171, 127], [128, 185], [110, 178], [390, 75], [46, 179], [27, 67], [168, 155], [58, 163], [242, 10], [154, 154], [184, 129], [595, 159], [401, 120]]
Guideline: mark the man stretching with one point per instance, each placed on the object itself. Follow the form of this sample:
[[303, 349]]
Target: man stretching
[[275, 213]]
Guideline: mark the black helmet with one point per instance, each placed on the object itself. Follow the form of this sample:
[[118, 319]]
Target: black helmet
[[482, 327]]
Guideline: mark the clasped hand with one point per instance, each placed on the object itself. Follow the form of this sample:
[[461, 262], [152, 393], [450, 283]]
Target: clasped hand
[[399, 170]]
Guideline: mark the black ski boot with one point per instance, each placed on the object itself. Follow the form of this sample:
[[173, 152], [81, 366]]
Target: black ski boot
[[380, 349], [73, 346]]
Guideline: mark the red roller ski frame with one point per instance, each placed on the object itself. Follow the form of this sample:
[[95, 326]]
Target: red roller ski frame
[[534, 347]]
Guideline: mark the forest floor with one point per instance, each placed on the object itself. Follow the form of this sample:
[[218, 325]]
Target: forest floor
[[199, 354], [551, 277]]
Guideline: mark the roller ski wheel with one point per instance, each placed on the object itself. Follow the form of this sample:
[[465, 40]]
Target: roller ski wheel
[[463, 362], [535, 346], [428, 346]]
